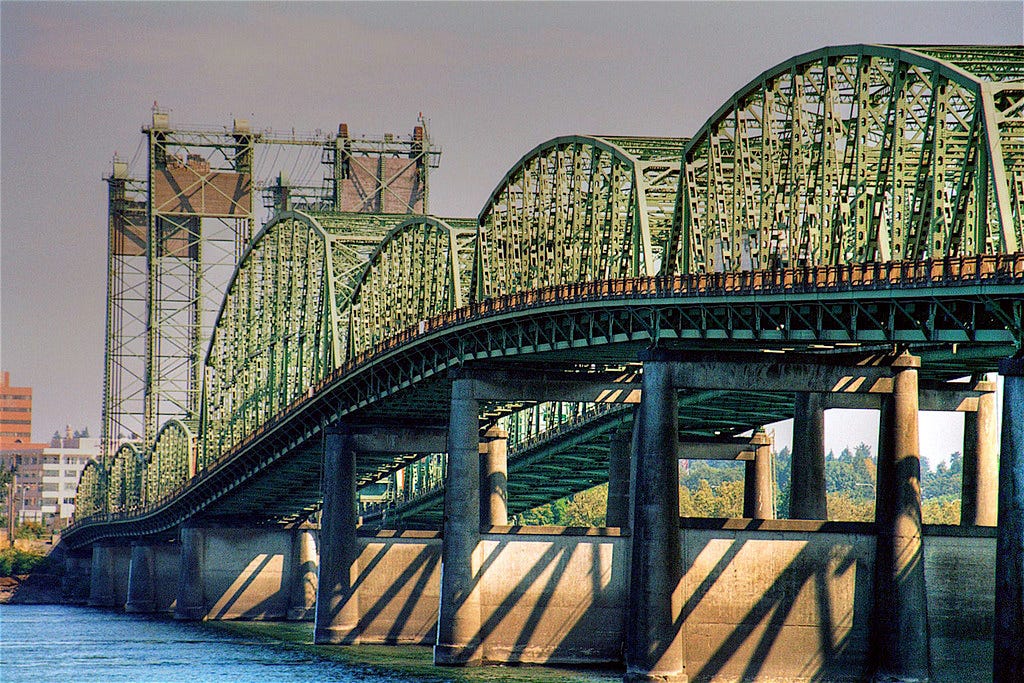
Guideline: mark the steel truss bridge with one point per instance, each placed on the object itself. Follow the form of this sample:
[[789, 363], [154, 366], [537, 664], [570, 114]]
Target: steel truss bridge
[[851, 201]]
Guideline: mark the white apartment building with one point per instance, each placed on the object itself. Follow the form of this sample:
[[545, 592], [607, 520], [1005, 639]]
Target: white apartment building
[[62, 468]]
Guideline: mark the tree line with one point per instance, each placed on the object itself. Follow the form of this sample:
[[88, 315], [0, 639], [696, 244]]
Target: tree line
[[715, 489]]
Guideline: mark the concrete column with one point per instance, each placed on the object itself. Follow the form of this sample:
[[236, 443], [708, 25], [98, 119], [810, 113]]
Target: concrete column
[[337, 601], [654, 643], [900, 624], [1009, 618], [75, 583], [807, 475], [618, 478], [141, 580], [191, 601], [101, 577], [758, 492], [980, 493], [302, 600], [458, 627], [494, 478]]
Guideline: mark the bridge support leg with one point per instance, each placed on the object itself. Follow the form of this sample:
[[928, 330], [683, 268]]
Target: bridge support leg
[[980, 497], [1009, 618], [758, 493], [337, 602], [654, 642], [141, 580], [191, 601], [302, 598], [494, 478], [101, 577], [807, 474], [900, 628], [458, 628], [618, 478]]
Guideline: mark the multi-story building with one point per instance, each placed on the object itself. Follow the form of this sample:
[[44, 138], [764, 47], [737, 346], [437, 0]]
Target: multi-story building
[[62, 465], [15, 413], [18, 453]]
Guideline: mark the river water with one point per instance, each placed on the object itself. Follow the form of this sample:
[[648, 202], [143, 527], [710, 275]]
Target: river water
[[64, 644]]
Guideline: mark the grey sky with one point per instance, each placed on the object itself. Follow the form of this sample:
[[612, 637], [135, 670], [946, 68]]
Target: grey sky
[[77, 81]]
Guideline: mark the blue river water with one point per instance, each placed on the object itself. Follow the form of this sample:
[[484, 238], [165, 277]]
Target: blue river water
[[68, 644], [62, 644]]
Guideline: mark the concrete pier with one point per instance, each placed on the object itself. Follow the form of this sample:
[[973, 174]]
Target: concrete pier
[[141, 580], [1009, 615], [337, 603], [654, 642], [900, 624], [191, 602], [807, 476], [101, 577], [494, 478], [304, 566], [980, 493], [618, 478], [758, 492], [458, 632]]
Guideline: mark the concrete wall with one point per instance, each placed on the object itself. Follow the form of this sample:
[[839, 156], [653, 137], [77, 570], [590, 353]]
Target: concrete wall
[[553, 595], [166, 557], [122, 555], [399, 587], [245, 573], [960, 574], [768, 600], [776, 600]]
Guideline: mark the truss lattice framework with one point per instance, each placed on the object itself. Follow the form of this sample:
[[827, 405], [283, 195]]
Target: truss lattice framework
[[856, 154], [172, 460], [845, 155], [422, 268], [283, 327], [578, 209], [90, 496], [125, 347], [126, 473]]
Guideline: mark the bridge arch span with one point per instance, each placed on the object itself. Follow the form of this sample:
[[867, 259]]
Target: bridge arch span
[[274, 335], [172, 461], [854, 154], [578, 209], [422, 268], [126, 474], [92, 487]]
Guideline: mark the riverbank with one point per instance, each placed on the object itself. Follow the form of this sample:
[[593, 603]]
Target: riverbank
[[406, 662]]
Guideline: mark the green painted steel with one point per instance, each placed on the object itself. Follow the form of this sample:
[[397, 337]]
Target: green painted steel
[[858, 154], [171, 462], [125, 491], [853, 197], [578, 209], [422, 268], [91, 495]]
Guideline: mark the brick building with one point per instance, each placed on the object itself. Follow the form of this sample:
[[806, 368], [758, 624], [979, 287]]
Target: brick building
[[19, 453]]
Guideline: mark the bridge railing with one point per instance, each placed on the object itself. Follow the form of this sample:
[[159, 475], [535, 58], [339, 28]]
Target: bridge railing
[[964, 271], [953, 271]]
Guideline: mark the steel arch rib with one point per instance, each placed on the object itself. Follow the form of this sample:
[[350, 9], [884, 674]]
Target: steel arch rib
[[420, 269], [852, 154], [569, 210]]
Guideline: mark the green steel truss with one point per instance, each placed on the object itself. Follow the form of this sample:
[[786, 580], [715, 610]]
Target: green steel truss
[[856, 197], [578, 209], [125, 490], [857, 154], [171, 462], [422, 268]]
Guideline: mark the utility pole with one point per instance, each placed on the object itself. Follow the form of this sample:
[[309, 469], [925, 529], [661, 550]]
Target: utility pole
[[10, 504]]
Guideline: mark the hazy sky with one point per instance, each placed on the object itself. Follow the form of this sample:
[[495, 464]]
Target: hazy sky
[[77, 81]]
